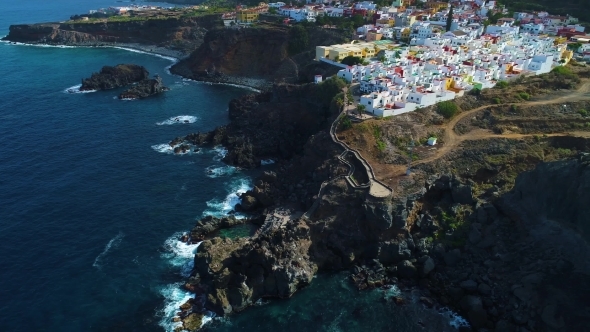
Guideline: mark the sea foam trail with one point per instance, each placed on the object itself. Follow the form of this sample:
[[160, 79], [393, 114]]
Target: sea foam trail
[[113, 243], [170, 58], [220, 208], [455, 320], [180, 119]]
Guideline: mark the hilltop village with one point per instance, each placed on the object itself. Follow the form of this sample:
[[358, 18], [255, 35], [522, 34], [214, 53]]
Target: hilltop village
[[406, 57]]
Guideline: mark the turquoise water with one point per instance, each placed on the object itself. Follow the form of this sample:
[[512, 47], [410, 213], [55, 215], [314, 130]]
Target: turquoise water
[[92, 201]]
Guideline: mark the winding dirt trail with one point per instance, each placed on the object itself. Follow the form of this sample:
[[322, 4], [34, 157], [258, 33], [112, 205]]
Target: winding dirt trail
[[452, 139]]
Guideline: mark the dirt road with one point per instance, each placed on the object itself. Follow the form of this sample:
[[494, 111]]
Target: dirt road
[[452, 140]]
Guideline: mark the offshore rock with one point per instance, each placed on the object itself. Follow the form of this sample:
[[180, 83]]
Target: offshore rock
[[144, 88], [114, 77]]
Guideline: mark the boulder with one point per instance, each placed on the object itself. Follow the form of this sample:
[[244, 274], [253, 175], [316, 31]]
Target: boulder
[[476, 315], [452, 257], [428, 266], [462, 194], [469, 285], [379, 214], [406, 269]]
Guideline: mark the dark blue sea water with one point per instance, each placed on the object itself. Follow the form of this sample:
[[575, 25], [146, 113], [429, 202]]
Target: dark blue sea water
[[92, 201]]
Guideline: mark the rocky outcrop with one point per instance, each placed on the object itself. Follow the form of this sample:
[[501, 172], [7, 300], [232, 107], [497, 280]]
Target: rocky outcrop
[[144, 88], [183, 34], [271, 125], [114, 77]]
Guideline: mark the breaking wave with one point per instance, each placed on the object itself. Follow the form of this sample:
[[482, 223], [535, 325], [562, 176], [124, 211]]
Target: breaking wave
[[219, 208], [76, 89], [180, 119], [215, 172]]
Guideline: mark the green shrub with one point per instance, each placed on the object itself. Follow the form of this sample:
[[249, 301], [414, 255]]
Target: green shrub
[[352, 60], [497, 100], [381, 145], [502, 85], [447, 109], [524, 95], [583, 112], [561, 70]]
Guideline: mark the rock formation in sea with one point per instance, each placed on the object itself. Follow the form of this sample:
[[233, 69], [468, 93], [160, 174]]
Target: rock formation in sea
[[115, 77], [144, 88]]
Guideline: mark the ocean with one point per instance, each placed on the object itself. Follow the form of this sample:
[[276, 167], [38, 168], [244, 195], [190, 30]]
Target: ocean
[[92, 200]]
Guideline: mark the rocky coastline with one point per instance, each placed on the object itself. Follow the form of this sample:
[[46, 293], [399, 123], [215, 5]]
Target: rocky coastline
[[508, 258], [459, 247]]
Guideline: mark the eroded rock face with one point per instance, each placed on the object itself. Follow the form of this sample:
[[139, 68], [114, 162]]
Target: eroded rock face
[[144, 88], [115, 77]]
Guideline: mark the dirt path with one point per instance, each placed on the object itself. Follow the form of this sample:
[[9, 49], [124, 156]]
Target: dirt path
[[452, 140]]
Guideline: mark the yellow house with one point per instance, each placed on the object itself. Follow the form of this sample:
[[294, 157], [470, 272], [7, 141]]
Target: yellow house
[[247, 16], [559, 40], [322, 52], [406, 33], [567, 55], [436, 5], [338, 53]]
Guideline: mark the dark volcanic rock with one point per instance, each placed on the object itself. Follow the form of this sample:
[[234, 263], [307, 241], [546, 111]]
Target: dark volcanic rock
[[114, 77], [144, 88]]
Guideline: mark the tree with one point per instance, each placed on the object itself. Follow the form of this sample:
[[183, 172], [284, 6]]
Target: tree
[[339, 102], [351, 60], [361, 108], [450, 19]]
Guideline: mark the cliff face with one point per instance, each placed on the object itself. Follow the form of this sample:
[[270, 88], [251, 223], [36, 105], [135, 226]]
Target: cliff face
[[271, 125], [270, 53], [552, 202], [184, 34]]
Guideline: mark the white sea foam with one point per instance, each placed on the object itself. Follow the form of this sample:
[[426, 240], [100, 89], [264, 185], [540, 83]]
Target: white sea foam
[[180, 119], [220, 208], [173, 59], [163, 148], [76, 89], [265, 162], [180, 254], [113, 243], [215, 172], [174, 297], [220, 152], [166, 148], [391, 292], [455, 320]]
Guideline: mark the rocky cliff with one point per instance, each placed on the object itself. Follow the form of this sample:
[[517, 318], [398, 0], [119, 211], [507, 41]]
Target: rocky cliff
[[183, 34], [257, 55], [271, 125], [114, 77]]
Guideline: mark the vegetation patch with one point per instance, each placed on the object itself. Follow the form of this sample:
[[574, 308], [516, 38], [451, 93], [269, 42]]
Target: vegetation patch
[[447, 109]]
